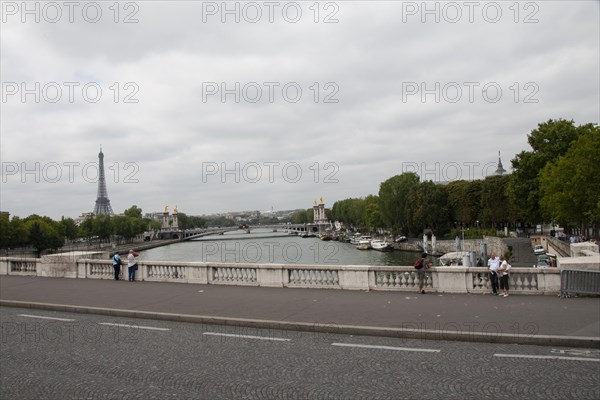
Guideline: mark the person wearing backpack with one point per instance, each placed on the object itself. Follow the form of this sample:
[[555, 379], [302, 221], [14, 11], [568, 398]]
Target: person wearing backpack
[[116, 262], [421, 264]]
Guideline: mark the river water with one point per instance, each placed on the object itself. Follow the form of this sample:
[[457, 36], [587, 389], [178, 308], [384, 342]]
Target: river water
[[263, 246]]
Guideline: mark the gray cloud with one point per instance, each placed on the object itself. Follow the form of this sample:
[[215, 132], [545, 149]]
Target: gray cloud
[[370, 58]]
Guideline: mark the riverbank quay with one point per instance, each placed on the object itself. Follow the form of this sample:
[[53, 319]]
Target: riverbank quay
[[518, 319]]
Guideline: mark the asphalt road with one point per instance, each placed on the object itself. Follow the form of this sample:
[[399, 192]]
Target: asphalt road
[[522, 252], [83, 356]]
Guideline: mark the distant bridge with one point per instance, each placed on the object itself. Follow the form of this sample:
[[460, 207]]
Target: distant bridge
[[190, 234]]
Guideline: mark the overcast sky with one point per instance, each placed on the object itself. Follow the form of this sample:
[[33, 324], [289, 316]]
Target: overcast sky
[[295, 101]]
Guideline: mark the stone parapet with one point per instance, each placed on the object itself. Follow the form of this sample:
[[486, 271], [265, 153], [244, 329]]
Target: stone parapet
[[347, 277]]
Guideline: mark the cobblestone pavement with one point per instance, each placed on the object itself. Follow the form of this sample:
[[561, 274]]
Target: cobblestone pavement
[[82, 356]]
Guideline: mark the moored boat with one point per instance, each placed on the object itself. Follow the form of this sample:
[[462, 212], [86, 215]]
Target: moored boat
[[381, 245], [364, 243]]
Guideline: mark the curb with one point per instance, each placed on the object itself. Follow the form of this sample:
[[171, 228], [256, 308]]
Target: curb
[[403, 333]]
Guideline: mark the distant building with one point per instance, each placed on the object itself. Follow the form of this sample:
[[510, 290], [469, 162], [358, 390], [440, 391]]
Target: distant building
[[500, 170], [79, 220]]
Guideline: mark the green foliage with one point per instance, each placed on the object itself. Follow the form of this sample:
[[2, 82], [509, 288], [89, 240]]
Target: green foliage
[[67, 228], [303, 217], [396, 209], [470, 233], [430, 209], [189, 222], [372, 212], [549, 141], [102, 226], [464, 199], [43, 233], [133, 212], [494, 201], [570, 186]]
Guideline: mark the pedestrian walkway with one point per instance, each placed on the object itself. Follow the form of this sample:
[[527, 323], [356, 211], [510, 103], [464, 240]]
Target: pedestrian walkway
[[524, 319]]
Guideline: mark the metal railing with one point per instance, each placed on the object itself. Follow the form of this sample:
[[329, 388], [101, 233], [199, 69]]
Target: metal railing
[[579, 282]]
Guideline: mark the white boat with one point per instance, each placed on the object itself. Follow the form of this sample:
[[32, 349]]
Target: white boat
[[381, 245], [455, 258], [354, 239], [364, 243]]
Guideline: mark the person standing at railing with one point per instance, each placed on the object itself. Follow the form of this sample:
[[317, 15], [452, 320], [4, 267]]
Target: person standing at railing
[[116, 262], [421, 265], [503, 270], [132, 264], [493, 265]]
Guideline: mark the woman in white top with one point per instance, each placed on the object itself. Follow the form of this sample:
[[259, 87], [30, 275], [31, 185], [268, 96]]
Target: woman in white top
[[503, 269]]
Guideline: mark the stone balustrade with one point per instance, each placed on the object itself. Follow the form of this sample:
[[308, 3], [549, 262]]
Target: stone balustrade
[[353, 277], [19, 266]]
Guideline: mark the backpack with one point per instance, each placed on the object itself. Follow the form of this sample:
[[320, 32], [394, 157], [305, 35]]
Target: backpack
[[116, 260], [419, 263]]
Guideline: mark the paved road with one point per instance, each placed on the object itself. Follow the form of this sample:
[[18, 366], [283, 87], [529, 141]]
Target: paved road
[[83, 356], [523, 255], [478, 317]]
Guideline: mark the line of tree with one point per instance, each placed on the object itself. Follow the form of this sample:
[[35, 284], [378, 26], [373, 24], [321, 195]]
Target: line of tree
[[558, 181], [43, 233]]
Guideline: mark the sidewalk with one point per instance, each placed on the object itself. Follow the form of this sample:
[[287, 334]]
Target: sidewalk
[[523, 319]]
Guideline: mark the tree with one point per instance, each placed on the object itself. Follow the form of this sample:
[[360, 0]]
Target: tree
[[549, 141], [67, 228], [102, 226], [372, 212], [183, 221], [570, 187], [44, 236], [429, 208], [86, 228], [299, 217], [133, 212], [396, 209], [464, 199], [4, 231], [494, 201]]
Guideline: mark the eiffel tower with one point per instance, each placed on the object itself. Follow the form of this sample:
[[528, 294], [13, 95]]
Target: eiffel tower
[[102, 202]]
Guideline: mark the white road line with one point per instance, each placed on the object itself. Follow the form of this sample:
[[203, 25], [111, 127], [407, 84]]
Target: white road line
[[151, 328], [369, 346], [247, 336], [546, 357], [42, 317]]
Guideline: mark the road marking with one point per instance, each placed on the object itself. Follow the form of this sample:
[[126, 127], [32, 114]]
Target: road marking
[[42, 317], [151, 328], [577, 352], [247, 336], [369, 346], [546, 357]]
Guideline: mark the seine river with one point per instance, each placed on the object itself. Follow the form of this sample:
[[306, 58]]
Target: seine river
[[267, 247]]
